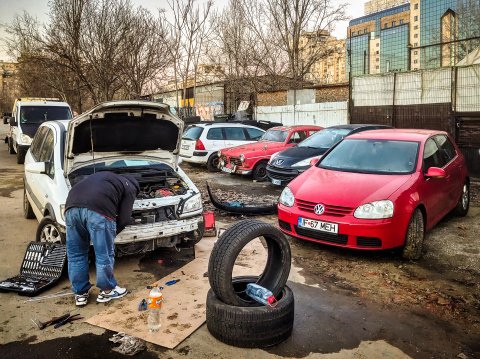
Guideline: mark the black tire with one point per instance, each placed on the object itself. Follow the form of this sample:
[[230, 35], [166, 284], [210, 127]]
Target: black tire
[[230, 244], [260, 171], [193, 237], [252, 327], [49, 231], [415, 236], [21, 156], [11, 150], [27, 207], [212, 163], [463, 204]]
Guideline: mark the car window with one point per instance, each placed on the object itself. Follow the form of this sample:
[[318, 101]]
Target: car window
[[325, 138], [235, 134], [275, 136], [254, 133], [215, 134], [192, 133], [39, 114], [46, 152], [297, 137], [37, 142], [446, 147], [372, 156], [432, 156]]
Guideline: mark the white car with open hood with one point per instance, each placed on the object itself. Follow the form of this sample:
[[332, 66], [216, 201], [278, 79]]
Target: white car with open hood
[[135, 137]]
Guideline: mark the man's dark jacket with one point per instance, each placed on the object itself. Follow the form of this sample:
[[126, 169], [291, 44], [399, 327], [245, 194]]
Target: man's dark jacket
[[106, 193]]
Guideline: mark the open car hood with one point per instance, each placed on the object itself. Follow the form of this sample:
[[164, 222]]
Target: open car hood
[[119, 128]]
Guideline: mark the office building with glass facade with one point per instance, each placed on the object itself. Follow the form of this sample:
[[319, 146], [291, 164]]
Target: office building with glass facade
[[417, 35]]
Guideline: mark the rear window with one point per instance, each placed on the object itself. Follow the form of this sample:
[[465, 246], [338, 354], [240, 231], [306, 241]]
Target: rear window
[[39, 114], [192, 133]]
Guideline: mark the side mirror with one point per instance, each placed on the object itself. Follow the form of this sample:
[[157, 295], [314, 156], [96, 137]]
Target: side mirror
[[314, 161], [435, 172], [36, 167], [12, 121]]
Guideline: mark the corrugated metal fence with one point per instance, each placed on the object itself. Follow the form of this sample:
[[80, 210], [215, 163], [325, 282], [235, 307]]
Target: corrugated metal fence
[[320, 114], [446, 99]]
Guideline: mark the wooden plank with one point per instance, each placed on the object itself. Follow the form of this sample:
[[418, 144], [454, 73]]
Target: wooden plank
[[183, 309]]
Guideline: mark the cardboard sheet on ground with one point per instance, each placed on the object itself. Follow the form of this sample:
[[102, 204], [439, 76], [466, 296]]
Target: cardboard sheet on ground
[[183, 309]]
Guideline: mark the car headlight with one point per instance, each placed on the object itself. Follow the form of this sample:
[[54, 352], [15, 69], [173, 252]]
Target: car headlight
[[25, 139], [375, 210], [62, 212], [272, 157], [287, 198], [304, 163], [242, 157], [193, 204]]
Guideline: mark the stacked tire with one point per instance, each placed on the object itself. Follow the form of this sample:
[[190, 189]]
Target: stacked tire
[[232, 316]]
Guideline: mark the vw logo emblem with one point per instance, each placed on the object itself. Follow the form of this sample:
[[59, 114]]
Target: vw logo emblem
[[278, 162], [319, 209]]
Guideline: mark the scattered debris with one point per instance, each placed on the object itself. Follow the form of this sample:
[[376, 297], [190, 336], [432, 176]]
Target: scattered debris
[[142, 305], [172, 282], [128, 345]]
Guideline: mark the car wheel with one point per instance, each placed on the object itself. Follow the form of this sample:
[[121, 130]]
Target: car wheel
[[194, 237], [415, 236], [21, 156], [228, 247], [260, 171], [253, 327], [48, 231], [11, 150], [212, 163], [27, 208], [463, 203]]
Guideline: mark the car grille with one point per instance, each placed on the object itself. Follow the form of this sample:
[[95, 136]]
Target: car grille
[[369, 242], [322, 236], [285, 225], [283, 174], [335, 211], [235, 161]]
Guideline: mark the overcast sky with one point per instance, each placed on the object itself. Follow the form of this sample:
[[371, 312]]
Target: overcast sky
[[39, 8]]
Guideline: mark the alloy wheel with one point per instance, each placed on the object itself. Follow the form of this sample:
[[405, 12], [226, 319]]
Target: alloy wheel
[[50, 234]]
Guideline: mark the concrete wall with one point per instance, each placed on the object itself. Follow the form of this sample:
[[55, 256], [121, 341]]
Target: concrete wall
[[320, 114]]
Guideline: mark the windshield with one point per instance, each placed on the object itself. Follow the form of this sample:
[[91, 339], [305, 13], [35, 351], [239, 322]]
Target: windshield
[[275, 136], [192, 133], [325, 138], [372, 156], [39, 114]]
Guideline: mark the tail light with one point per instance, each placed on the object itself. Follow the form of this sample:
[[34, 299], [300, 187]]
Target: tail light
[[199, 145]]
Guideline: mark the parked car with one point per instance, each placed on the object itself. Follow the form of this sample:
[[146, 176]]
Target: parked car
[[284, 166], [168, 209], [27, 115], [202, 141], [252, 159], [378, 190]]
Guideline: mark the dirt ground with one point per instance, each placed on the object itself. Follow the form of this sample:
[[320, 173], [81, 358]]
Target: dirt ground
[[348, 304]]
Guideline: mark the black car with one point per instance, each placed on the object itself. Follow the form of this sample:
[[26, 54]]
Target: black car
[[286, 165]]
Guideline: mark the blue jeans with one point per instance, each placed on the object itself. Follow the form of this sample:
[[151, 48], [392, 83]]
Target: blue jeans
[[83, 226]]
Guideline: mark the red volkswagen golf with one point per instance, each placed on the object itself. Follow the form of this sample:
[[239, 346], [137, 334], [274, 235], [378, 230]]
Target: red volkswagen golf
[[377, 190]]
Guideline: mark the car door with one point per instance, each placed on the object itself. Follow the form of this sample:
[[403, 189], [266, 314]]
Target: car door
[[44, 183], [234, 136], [452, 168], [215, 141], [435, 190]]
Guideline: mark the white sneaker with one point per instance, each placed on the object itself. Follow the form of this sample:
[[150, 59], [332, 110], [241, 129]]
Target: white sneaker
[[115, 293], [81, 299]]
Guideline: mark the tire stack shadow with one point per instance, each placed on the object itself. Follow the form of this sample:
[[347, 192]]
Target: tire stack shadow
[[232, 316]]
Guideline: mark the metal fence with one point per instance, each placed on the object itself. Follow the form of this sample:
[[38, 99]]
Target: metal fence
[[445, 99]]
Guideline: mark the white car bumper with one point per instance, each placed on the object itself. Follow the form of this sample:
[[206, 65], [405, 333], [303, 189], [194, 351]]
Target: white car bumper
[[145, 232], [196, 159]]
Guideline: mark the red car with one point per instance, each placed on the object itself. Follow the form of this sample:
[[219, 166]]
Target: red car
[[252, 159], [377, 190]]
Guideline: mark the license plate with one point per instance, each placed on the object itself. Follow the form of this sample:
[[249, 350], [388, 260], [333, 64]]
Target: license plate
[[226, 169], [185, 147], [318, 225], [276, 181]]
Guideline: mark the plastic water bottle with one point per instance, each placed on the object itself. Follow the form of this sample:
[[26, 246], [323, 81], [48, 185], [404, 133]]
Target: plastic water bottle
[[155, 300], [260, 294]]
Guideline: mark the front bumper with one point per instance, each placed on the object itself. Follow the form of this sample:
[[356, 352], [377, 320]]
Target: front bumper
[[236, 170], [281, 176], [353, 233], [157, 230]]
